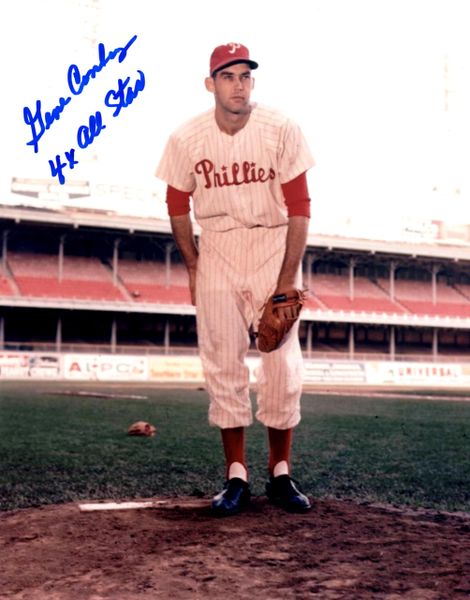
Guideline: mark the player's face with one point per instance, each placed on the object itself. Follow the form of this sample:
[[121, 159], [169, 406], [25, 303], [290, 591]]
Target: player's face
[[232, 88]]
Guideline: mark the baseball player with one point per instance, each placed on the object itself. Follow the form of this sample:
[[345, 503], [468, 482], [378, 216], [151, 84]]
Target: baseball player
[[244, 167]]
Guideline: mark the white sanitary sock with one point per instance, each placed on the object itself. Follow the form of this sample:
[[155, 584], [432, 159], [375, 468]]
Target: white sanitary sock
[[236, 469], [282, 468]]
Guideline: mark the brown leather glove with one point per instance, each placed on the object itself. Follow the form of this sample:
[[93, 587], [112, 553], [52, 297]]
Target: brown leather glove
[[272, 328], [142, 428]]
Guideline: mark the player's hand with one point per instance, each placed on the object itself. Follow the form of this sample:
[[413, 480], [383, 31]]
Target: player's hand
[[286, 313]]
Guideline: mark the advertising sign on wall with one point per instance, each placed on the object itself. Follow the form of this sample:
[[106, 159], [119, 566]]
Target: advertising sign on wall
[[415, 373], [324, 371], [105, 367], [14, 364], [175, 369], [188, 369], [25, 365]]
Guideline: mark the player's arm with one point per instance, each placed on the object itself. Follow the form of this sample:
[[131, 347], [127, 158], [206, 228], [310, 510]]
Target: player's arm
[[183, 234], [298, 209]]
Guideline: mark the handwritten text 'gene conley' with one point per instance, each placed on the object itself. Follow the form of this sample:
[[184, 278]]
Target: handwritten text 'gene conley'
[[116, 99]]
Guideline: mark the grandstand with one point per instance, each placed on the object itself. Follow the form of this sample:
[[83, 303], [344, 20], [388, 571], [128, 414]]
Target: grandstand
[[94, 281]]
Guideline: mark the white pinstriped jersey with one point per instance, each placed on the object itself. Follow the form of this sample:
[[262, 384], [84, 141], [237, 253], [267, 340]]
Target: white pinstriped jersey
[[235, 180]]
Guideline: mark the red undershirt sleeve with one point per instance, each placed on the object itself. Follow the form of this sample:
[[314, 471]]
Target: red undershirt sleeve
[[296, 196], [177, 202]]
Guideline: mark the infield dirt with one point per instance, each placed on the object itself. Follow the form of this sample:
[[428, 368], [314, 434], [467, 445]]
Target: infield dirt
[[178, 551]]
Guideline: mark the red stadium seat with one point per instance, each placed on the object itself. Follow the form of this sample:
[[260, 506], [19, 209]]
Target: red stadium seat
[[334, 293], [68, 288], [150, 281], [160, 294], [82, 278], [6, 288]]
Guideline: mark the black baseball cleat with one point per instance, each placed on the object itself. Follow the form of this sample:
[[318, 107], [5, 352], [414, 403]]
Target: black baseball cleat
[[232, 499], [283, 492]]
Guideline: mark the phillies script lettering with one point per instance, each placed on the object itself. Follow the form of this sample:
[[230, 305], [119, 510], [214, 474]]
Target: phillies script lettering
[[237, 174], [117, 98]]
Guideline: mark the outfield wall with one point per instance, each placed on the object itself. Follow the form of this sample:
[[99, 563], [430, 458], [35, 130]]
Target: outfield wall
[[42, 366]]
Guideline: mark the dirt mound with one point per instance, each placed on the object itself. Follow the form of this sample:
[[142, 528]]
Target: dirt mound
[[177, 550]]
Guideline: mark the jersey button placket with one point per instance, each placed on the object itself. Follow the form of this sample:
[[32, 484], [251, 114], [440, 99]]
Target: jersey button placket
[[236, 157]]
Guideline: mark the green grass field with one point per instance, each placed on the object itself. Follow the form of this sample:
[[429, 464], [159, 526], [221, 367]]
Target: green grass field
[[59, 448]]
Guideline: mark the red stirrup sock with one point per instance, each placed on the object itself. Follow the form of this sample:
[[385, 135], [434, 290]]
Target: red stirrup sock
[[233, 440], [280, 442]]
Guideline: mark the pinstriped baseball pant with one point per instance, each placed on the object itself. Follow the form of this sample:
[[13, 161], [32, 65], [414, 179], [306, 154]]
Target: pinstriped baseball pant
[[237, 271]]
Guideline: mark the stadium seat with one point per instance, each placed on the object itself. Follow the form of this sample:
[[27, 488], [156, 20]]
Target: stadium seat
[[149, 281], [333, 292], [82, 278]]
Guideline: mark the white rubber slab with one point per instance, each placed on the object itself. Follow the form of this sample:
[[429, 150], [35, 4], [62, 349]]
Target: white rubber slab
[[94, 506]]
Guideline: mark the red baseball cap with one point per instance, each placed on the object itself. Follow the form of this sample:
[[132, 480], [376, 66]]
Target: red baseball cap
[[230, 54]]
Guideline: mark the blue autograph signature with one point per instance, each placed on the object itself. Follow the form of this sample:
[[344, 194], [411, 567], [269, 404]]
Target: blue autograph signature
[[124, 95], [43, 123], [117, 99], [77, 82]]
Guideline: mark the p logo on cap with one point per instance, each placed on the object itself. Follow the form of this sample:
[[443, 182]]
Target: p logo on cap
[[230, 54]]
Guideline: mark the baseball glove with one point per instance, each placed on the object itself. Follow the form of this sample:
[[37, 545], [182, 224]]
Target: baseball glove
[[271, 328], [142, 428]]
